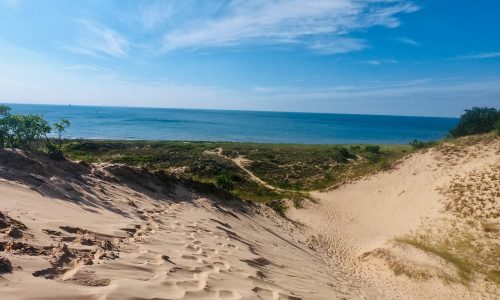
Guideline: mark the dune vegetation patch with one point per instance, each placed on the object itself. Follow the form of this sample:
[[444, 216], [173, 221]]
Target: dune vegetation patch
[[402, 267], [288, 171], [468, 237], [465, 267]]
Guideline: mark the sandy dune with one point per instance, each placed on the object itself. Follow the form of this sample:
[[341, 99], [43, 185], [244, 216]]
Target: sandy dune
[[107, 232], [357, 222], [73, 231]]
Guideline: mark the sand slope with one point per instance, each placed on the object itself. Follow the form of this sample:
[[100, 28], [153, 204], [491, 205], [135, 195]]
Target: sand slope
[[358, 222], [74, 231], [110, 232]]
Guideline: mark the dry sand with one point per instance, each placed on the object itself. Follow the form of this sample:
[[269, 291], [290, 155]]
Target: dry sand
[[73, 231], [358, 222], [111, 232]]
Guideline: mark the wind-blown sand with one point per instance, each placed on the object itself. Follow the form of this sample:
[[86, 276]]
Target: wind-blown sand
[[113, 232], [357, 221], [73, 231]]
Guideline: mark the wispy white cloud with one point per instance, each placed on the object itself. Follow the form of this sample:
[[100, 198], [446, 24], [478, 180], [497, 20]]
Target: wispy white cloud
[[374, 91], [338, 45], [321, 25], [99, 41], [482, 55], [377, 62], [407, 41], [153, 14]]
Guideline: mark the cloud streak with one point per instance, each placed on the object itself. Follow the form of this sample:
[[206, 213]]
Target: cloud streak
[[483, 55], [323, 26], [407, 41], [99, 41]]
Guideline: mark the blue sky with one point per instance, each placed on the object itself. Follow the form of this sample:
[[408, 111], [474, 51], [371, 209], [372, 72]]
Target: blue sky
[[432, 58]]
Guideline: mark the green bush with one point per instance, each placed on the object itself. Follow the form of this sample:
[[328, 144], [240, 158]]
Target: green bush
[[372, 149], [344, 152], [278, 206], [497, 126], [416, 144], [21, 131], [476, 120], [54, 152], [225, 181], [60, 128], [4, 129]]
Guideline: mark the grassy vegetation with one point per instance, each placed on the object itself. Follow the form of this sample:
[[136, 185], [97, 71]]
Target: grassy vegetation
[[402, 267], [293, 169], [465, 267]]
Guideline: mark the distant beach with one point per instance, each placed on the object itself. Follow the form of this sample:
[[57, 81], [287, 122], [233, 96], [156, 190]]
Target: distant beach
[[127, 123]]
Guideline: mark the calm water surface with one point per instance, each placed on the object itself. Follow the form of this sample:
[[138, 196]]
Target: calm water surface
[[240, 126]]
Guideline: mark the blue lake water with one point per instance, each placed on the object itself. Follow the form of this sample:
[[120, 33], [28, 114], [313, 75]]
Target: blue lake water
[[240, 126]]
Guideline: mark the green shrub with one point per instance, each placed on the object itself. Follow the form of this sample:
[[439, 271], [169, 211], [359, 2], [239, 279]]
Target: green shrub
[[497, 126], [4, 113], [225, 181], [416, 144], [278, 206], [344, 152], [372, 149], [60, 128], [22, 131], [476, 120], [54, 152]]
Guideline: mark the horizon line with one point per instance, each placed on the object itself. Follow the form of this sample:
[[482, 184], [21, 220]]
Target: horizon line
[[229, 110]]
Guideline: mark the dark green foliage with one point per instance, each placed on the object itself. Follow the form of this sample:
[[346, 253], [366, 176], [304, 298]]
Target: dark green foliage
[[22, 131], [4, 113], [60, 128], [416, 144], [54, 152], [225, 181], [497, 126], [278, 206], [476, 120], [345, 154], [374, 149]]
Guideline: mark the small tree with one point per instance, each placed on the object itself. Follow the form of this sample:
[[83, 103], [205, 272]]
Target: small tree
[[4, 113], [20, 131], [476, 120], [29, 128], [60, 128]]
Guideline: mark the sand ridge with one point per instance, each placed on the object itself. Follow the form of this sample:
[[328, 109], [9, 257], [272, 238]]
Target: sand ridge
[[88, 234]]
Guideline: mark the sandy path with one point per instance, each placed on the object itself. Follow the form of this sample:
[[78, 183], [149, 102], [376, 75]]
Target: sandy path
[[242, 163]]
